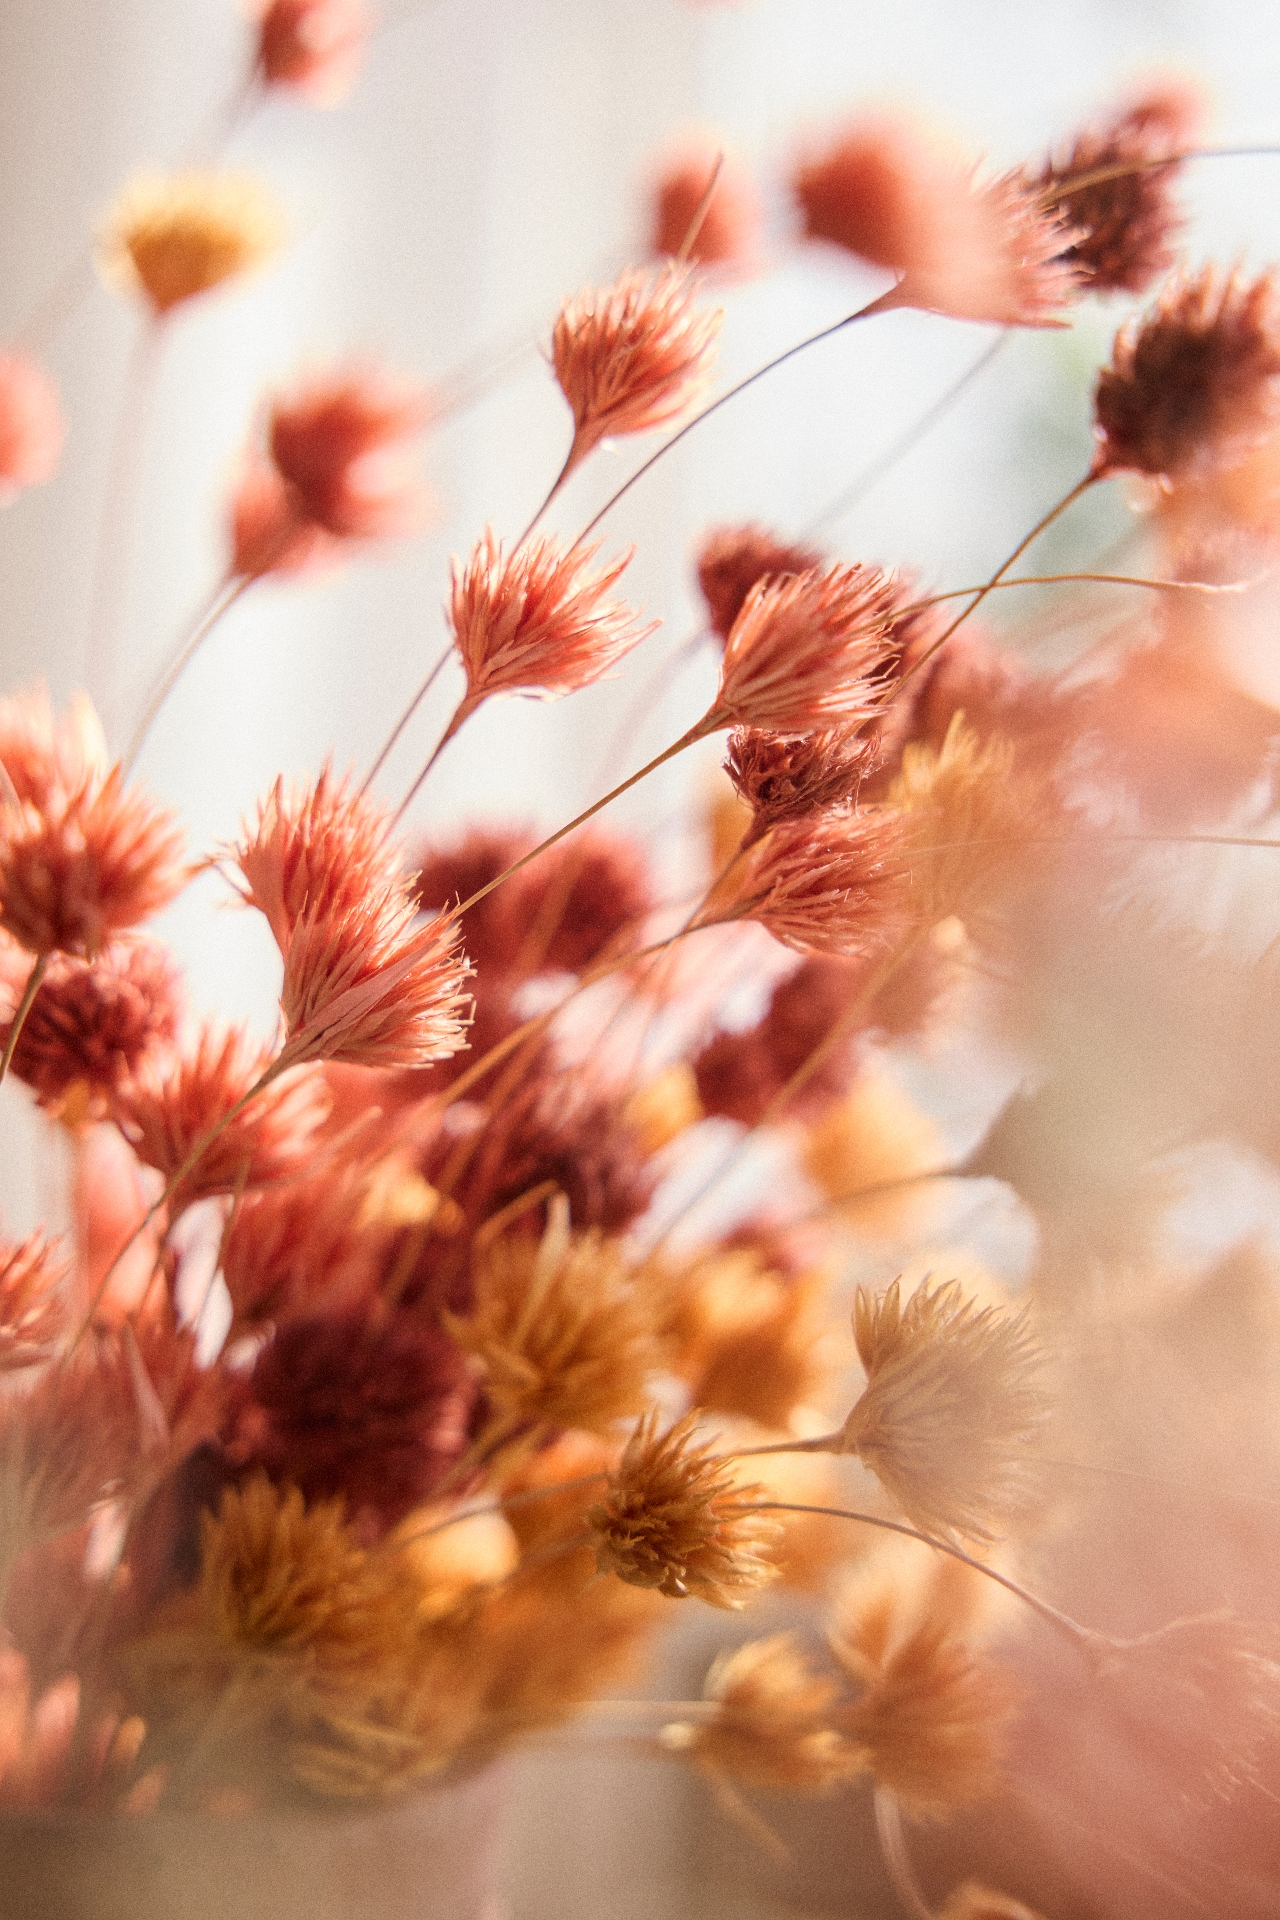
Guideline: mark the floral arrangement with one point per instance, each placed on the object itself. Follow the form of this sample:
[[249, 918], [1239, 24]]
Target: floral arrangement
[[382, 1402]]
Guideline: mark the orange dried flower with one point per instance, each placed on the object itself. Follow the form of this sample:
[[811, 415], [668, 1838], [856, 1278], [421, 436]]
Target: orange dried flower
[[673, 1519], [834, 882], [339, 443], [1194, 383], [313, 46], [31, 426], [93, 1024], [773, 1725], [33, 1311], [786, 776], [974, 249], [732, 559], [950, 1411], [169, 1107], [729, 233], [809, 651], [633, 357], [47, 755], [170, 237], [86, 865], [1124, 226], [269, 531], [301, 1247], [537, 621]]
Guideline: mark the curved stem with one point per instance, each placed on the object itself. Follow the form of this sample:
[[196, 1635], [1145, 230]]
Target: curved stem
[[1106, 579], [29, 992], [403, 722], [222, 600]]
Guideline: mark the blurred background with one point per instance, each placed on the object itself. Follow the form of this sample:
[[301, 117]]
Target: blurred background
[[494, 156]]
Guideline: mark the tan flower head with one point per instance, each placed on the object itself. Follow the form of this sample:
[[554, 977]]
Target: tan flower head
[[1194, 383], [732, 559], [86, 865], [31, 425], [833, 882], [565, 1334], [67, 1442], [33, 1307], [673, 1519], [809, 651], [170, 237], [94, 1023], [537, 621], [785, 776], [931, 1719], [632, 357], [312, 46], [950, 1411], [774, 1722]]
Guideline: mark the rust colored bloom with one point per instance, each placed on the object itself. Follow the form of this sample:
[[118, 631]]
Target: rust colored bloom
[[301, 1247], [48, 755], [772, 1726], [833, 883], [169, 1107], [269, 531], [312, 46], [93, 1024], [732, 559], [632, 357], [739, 1074], [86, 865], [563, 1330], [785, 776], [450, 871], [950, 1410], [31, 426], [537, 621], [809, 651], [729, 233], [577, 900], [170, 237], [975, 249], [1194, 383], [339, 443], [1124, 226], [931, 1718], [674, 1519], [33, 1311], [373, 1407]]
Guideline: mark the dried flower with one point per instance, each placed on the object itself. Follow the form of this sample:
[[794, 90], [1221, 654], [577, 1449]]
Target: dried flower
[[782, 777], [338, 441], [33, 1307], [576, 900], [86, 865], [173, 236], [563, 1330], [772, 1727], [832, 883], [537, 621], [975, 249], [301, 1247], [931, 1718], [875, 1138], [313, 46], [1194, 383], [93, 1024], [172, 1104], [450, 872], [674, 1519], [31, 426], [808, 651], [1124, 226], [313, 849], [950, 1409], [632, 357], [729, 232], [732, 559]]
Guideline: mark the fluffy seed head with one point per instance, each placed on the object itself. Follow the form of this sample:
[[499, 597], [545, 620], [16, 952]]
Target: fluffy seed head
[[339, 443], [33, 1312], [809, 651], [732, 559], [170, 237], [834, 882], [673, 1519], [93, 1024], [729, 234], [950, 1410], [313, 46], [1194, 383], [773, 1725], [632, 357], [31, 426], [537, 621], [313, 849]]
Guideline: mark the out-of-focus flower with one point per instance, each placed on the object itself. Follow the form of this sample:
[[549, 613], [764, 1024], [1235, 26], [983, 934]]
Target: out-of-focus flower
[[728, 233], [173, 236], [340, 443], [834, 883], [1194, 382], [577, 900], [36, 1738], [31, 426], [537, 621], [973, 1902], [674, 1519], [772, 1722], [951, 1409], [313, 46], [746, 1338], [732, 559], [633, 357], [808, 651], [269, 532], [313, 849], [93, 1024], [33, 1305], [1124, 226], [972, 248]]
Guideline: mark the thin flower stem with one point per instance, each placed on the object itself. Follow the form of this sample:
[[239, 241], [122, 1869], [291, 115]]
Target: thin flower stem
[[118, 528], [1120, 170], [403, 722], [700, 212], [893, 1845], [1107, 579], [460, 713], [905, 443], [571, 460], [29, 992], [883, 303], [223, 598], [489, 1507]]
